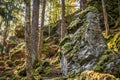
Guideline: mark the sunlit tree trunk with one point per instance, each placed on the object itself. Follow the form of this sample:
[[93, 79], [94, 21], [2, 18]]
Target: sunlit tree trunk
[[105, 18], [63, 24], [41, 28], [28, 40], [34, 31]]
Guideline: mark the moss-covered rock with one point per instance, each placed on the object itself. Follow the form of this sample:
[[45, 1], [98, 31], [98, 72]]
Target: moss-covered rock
[[80, 52], [109, 63]]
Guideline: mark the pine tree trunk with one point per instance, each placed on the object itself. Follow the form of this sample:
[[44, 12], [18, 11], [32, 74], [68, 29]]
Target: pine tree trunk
[[41, 28], [119, 7], [105, 18], [28, 40], [63, 24], [34, 31], [5, 35]]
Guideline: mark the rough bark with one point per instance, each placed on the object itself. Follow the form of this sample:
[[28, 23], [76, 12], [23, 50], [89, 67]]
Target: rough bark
[[63, 24], [41, 28], [105, 18], [34, 31], [28, 40]]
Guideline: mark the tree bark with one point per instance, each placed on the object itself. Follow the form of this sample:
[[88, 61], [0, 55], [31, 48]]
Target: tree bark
[[34, 31], [41, 29], [63, 24], [119, 7], [105, 18], [83, 4], [28, 40]]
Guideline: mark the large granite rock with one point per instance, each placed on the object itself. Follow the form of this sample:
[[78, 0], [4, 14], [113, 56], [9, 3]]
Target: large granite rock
[[82, 48]]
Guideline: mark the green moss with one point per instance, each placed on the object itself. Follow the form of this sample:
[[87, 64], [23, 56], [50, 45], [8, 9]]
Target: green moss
[[45, 49], [115, 42], [74, 25], [66, 47], [67, 38], [91, 75], [106, 58]]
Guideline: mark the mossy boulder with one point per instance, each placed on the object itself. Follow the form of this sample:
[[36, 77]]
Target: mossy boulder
[[80, 51]]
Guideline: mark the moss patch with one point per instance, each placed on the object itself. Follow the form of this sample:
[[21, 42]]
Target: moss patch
[[91, 75]]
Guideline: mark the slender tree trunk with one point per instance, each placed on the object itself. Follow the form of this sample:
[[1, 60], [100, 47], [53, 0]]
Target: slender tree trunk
[[63, 24], [49, 18], [83, 4], [28, 40], [5, 35], [105, 18], [119, 7], [79, 4], [41, 28], [34, 31]]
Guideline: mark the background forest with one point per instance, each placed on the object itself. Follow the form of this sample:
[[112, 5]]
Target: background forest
[[59, 39]]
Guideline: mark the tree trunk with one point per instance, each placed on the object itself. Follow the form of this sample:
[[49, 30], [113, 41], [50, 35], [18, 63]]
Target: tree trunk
[[79, 4], [119, 7], [83, 4], [34, 31], [5, 35], [105, 18], [41, 28], [63, 24], [28, 40]]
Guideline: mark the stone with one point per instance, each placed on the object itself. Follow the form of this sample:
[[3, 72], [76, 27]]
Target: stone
[[83, 50]]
